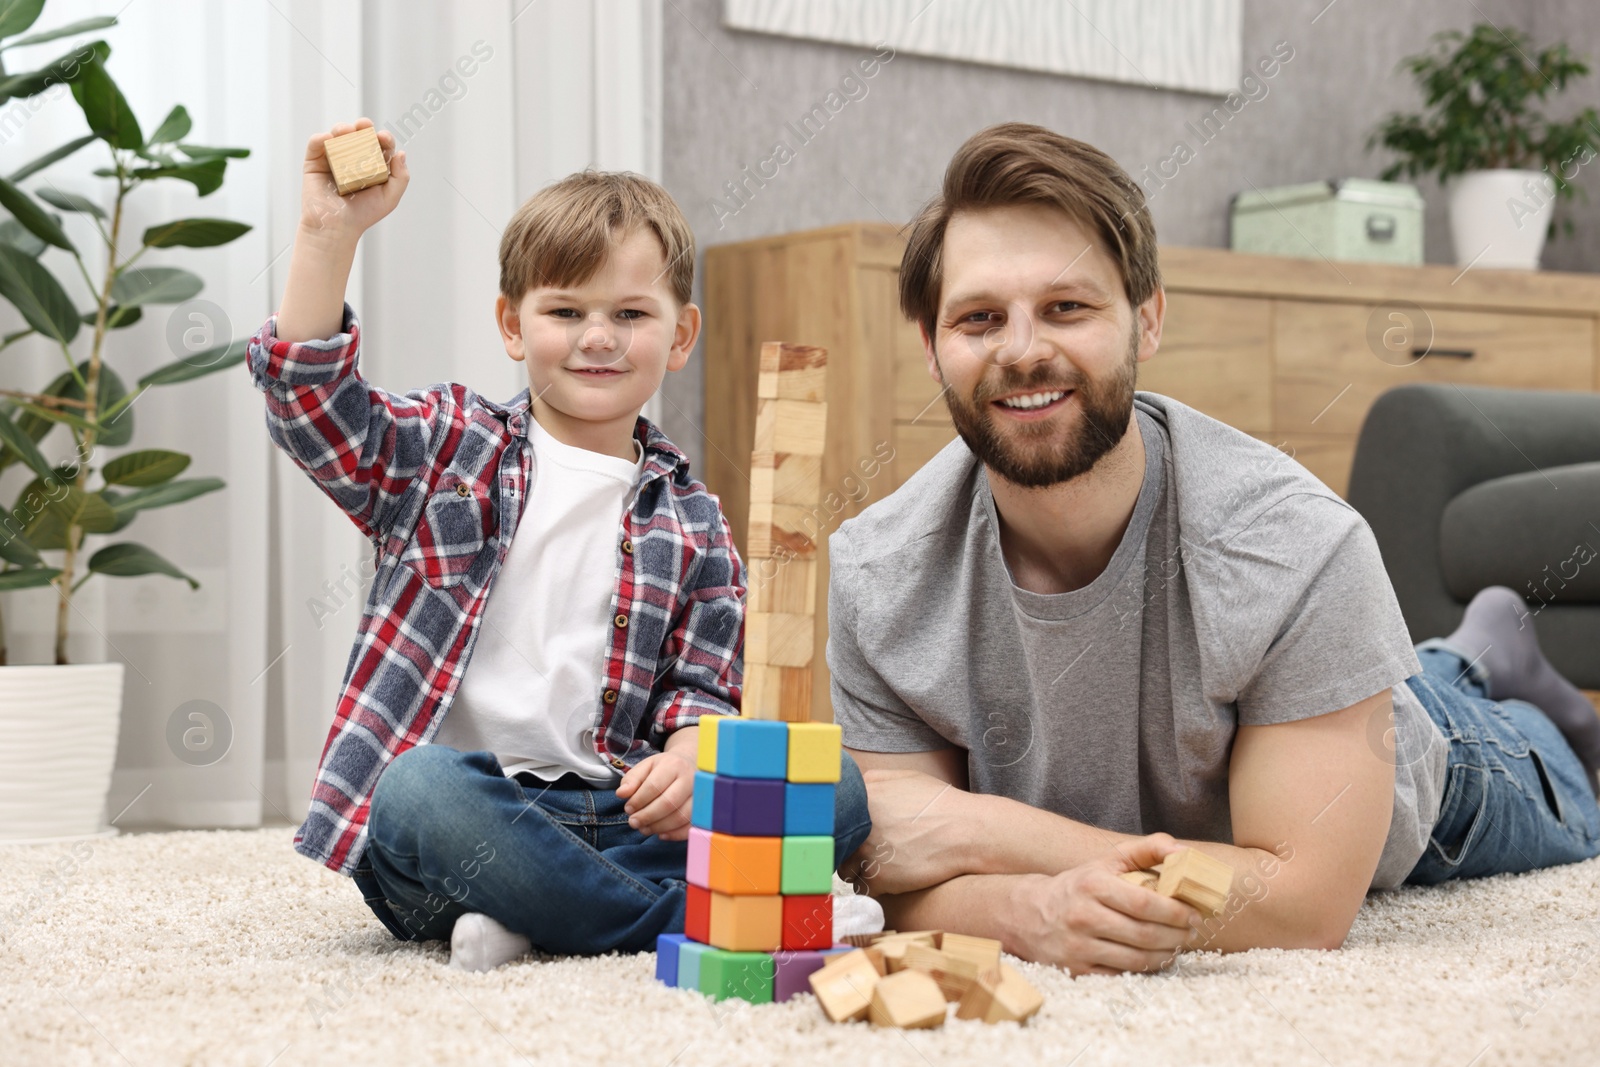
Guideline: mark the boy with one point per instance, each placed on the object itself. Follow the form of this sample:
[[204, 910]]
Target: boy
[[556, 600]]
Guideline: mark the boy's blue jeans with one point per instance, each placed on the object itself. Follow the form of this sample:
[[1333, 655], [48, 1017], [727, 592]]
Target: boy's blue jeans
[[1515, 796], [448, 833]]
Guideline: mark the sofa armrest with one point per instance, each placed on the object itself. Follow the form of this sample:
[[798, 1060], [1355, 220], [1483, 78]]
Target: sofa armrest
[[1423, 444]]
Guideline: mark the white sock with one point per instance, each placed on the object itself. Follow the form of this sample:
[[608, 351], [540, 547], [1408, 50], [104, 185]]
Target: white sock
[[478, 943], [856, 914]]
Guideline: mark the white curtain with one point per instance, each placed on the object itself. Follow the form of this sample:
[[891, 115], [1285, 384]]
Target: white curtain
[[491, 99]]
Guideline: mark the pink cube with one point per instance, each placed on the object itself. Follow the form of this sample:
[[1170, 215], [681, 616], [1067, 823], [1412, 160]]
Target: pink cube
[[699, 857]]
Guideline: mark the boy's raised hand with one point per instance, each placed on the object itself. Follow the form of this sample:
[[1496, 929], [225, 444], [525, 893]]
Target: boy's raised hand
[[324, 212], [659, 791]]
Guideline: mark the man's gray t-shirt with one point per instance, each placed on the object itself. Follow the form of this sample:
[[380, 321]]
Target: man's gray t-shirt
[[1243, 592]]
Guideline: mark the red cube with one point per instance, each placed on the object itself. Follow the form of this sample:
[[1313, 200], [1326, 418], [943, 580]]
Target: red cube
[[697, 914], [807, 922]]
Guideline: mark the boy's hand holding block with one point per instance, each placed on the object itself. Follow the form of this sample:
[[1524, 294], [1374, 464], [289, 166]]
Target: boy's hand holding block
[[356, 160]]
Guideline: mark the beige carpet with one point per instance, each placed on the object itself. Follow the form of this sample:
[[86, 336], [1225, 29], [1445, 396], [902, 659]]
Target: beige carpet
[[224, 947]]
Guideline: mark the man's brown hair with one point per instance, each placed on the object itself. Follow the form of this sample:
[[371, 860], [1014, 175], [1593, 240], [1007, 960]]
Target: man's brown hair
[[565, 231], [1020, 163]]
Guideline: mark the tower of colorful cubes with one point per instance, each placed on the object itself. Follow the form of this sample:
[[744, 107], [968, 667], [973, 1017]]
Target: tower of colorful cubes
[[759, 917]]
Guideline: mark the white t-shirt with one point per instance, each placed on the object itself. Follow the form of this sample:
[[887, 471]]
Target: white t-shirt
[[531, 691]]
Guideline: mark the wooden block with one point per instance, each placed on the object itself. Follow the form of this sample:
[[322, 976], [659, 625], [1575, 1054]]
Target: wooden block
[[356, 160], [927, 937], [792, 372], [778, 640], [1000, 995], [785, 478], [954, 974], [907, 1000], [863, 940], [982, 951], [786, 531], [777, 693], [844, 985], [1143, 879], [894, 947], [1196, 878], [782, 586], [796, 426]]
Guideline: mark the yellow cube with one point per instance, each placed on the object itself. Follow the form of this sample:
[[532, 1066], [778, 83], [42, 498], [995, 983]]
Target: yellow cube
[[705, 756], [814, 752]]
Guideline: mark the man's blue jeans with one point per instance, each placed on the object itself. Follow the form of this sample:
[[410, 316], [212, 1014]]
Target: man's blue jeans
[[448, 833], [1515, 796]]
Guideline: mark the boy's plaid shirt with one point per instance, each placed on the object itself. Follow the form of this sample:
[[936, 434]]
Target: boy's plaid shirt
[[436, 479]]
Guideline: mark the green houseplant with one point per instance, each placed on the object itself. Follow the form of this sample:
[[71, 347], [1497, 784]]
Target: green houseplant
[[60, 505], [1486, 138], [59, 722]]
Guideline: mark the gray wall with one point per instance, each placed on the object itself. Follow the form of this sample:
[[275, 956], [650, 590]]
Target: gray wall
[[729, 95]]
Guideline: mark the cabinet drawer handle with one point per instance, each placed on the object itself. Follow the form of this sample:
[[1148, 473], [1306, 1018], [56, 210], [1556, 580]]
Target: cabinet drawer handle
[[1448, 353]]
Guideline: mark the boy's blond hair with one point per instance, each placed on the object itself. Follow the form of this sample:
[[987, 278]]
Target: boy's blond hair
[[565, 231]]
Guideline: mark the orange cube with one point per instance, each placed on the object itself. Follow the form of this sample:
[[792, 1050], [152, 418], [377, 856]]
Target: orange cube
[[745, 865], [746, 922]]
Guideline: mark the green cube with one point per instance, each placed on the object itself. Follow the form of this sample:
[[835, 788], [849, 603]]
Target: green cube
[[746, 975], [807, 865]]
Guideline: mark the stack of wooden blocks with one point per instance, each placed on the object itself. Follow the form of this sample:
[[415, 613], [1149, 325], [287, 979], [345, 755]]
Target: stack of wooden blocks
[[907, 979], [759, 916], [785, 525]]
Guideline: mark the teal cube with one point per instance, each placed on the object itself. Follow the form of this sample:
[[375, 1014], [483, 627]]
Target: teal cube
[[746, 975], [753, 748], [807, 866], [690, 955], [700, 808]]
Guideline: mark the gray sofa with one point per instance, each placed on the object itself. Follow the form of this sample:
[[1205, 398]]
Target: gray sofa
[[1467, 487]]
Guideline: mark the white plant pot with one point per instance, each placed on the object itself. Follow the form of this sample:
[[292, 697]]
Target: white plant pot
[[1498, 218], [58, 742]]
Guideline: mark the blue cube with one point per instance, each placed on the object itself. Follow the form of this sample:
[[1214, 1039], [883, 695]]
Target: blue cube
[[690, 953], [701, 807], [750, 807], [808, 809], [667, 946], [753, 748]]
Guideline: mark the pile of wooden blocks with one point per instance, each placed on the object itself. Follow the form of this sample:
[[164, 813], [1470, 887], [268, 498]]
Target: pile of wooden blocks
[[759, 916], [785, 526], [907, 979], [1192, 877]]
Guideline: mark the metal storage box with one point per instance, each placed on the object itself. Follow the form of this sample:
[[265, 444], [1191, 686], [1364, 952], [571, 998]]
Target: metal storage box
[[1342, 219]]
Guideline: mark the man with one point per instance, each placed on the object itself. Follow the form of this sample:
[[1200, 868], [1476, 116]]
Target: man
[[1101, 626]]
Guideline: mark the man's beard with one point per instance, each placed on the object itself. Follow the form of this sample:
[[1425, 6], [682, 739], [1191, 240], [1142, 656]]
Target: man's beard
[[1040, 454]]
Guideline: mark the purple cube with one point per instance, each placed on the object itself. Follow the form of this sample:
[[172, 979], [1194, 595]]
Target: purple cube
[[749, 807], [792, 970]]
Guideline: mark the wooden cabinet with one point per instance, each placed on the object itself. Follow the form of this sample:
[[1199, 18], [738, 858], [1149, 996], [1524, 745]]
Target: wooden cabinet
[[1291, 351]]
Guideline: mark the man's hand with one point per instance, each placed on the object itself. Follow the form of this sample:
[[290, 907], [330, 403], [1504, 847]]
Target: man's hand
[[659, 791], [1090, 921], [917, 829]]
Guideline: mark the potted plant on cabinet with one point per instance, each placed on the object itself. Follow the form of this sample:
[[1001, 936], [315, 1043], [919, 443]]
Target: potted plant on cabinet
[[59, 722], [1505, 164]]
